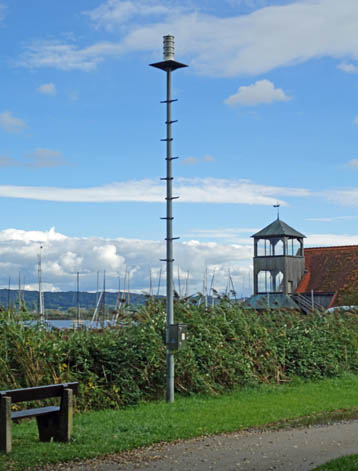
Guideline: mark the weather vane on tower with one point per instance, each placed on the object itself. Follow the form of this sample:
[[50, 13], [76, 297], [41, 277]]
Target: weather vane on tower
[[277, 206]]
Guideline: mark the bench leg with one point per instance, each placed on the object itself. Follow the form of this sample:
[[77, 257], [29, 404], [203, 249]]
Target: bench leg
[[47, 426], [5, 424], [64, 431], [57, 425]]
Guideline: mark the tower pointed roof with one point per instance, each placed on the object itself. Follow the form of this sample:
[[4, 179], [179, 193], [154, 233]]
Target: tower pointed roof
[[277, 228]]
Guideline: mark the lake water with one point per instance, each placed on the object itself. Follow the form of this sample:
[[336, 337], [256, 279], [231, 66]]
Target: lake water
[[72, 323]]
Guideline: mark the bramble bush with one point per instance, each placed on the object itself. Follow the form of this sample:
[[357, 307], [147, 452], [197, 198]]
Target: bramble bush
[[228, 347]]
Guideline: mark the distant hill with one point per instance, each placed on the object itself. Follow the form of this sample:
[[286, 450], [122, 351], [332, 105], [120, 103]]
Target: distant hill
[[62, 300]]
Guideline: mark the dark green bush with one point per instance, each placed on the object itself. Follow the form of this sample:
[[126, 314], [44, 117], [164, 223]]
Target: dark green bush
[[227, 347]]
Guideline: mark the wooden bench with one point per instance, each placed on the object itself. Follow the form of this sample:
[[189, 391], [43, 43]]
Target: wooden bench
[[52, 421]]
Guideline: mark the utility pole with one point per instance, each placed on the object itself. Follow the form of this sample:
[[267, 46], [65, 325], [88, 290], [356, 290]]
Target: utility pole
[[169, 65]]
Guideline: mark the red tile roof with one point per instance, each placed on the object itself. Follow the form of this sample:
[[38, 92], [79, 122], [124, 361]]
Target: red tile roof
[[330, 269]]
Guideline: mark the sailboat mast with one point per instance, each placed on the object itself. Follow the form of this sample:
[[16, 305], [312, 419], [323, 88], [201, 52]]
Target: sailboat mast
[[41, 303], [78, 299]]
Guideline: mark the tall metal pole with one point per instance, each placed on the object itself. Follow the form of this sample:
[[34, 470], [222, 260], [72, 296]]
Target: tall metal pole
[[78, 300], [169, 239], [168, 66]]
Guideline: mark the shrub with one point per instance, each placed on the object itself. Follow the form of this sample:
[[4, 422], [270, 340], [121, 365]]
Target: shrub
[[227, 347]]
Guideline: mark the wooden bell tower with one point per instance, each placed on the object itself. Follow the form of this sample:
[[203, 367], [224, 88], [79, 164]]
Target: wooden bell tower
[[279, 261]]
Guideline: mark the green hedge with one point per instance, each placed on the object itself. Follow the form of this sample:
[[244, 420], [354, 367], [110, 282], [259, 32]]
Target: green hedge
[[227, 347]]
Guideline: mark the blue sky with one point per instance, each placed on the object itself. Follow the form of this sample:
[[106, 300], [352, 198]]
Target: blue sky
[[267, 110]]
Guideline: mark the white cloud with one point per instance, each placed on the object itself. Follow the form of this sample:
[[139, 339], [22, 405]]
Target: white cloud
[[73, 95], [71, 261], [35, 286], [113, 13], [108, 256], [216, 190], [191, 190], [355, 120], [63, 256], [3, 9], [189, 161], [261, 92], [198, 160], [329, 240], [353, 163], [331, 219], [233, 235], [47, 89], [64, 56], [247, 3], [265, 39], [6, 161], [349, 68], [51, 235], [207, 158], [9, 123], [345, 197], [44, 158], [39, 158]]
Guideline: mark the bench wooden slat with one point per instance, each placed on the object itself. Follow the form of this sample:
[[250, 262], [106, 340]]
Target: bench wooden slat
[[39, 392], [23, 414]]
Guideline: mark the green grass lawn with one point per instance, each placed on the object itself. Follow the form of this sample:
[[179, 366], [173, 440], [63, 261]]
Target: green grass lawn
[[347, 463], [109, 431]]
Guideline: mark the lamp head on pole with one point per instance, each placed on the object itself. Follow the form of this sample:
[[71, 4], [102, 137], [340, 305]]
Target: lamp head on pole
[[168, 63], [168, 47]]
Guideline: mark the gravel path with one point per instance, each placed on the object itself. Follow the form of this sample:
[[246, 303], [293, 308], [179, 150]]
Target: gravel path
[[299, 449]]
